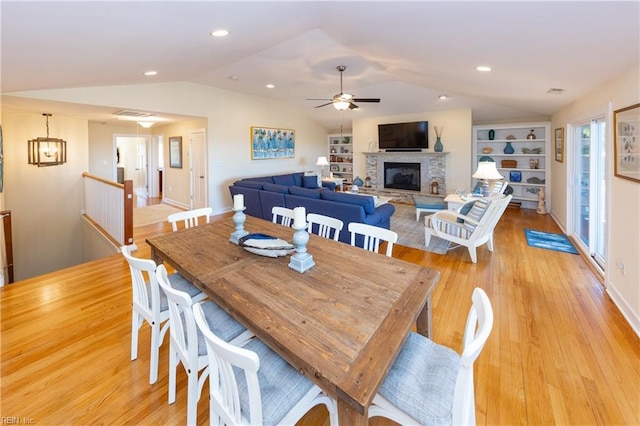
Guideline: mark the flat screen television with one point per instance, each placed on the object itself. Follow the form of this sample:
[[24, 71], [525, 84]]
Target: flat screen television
[[403, 136]]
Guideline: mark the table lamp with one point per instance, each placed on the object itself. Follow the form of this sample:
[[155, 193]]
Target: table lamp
[[322, 162], [487, 171]]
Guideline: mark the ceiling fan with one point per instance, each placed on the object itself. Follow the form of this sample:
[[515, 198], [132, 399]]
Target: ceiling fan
[[342, 100]]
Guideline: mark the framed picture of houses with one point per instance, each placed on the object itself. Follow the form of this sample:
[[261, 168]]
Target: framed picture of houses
[[269, 142], [626, 142]]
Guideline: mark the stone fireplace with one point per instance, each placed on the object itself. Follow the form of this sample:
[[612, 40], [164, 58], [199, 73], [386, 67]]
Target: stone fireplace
[[402, 176], [432, 167]]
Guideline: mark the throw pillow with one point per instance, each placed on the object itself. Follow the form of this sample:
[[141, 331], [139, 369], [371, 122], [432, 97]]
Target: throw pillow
[[310, 182]]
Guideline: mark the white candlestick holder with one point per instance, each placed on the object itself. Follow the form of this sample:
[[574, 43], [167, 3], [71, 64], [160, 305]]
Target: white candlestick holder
[[238, 218], [301, 261]]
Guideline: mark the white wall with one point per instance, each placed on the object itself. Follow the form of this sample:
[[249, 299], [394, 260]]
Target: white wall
[[623, 196], [456, 138], [45, 201]]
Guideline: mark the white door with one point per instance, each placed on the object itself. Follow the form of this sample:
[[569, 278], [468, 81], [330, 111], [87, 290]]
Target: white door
[[140, 179], [198, 167]]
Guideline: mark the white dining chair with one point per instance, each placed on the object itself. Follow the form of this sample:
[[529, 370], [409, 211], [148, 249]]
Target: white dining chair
[[186, 343], [190, 218], [372, 235], [252, 385], [324, 226], [150, 304], [431, 384], [282, 215]]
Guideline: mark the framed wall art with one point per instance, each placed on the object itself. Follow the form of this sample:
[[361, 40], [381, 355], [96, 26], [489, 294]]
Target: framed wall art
[[268, 142], [559, 144], [175, 152], [626, 142]]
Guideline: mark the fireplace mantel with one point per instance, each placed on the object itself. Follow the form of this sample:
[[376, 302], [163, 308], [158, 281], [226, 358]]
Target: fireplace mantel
[[433, 166]]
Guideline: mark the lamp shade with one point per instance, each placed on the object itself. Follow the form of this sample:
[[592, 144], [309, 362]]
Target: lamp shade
[[487, 170], [322, 161], [341, 105]]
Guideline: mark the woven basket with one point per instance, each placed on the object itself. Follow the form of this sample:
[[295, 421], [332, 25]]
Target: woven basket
[[509, 164]]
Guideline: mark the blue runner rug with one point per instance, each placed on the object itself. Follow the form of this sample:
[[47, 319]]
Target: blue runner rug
[[550, 241]]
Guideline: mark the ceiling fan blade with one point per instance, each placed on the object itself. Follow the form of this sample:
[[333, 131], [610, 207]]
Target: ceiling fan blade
[[328, 103], [318, 99], [353, 106], [366, 99]]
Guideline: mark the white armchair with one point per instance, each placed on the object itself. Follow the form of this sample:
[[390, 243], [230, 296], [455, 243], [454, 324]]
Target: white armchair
[[470, 230]]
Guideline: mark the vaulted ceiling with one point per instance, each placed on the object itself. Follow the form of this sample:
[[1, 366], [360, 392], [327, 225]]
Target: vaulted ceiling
[[406, 53]]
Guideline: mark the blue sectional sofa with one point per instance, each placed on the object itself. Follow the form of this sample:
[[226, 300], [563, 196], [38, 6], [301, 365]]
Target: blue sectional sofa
[[295, 190]]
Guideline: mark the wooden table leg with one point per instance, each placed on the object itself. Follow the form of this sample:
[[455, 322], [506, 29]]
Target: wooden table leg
[[423, 323], [348, 416], [155, 257]]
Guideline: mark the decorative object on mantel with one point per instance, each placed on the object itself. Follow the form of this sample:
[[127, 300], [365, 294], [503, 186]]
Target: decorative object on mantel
[[434, 188], [541, 207], [301, 261], [508, 148], [438, 146], [238, 218], [531, 135], [47, 151], [487, 171], [487, 150], [372, 145], [367, 182], [492, 134]]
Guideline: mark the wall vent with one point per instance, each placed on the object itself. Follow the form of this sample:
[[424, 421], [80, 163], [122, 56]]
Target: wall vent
[[555, 91]]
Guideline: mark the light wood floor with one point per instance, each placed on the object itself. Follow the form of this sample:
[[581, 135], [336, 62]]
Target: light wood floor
[[560, 352]]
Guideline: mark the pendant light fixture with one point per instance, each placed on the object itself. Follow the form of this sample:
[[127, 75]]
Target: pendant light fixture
[[47, 151]]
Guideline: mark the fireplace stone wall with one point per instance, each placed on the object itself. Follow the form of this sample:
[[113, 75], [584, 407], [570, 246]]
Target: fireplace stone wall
[[433, 168]]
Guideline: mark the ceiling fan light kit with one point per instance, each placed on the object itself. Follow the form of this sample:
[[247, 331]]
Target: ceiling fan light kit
[[343, 101]]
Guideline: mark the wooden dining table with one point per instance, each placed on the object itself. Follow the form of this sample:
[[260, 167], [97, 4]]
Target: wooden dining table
[[340, 323]]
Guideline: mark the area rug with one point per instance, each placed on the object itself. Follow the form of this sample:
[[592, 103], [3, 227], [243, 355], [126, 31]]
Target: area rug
[[152, 214], [411, 232], [550, 241]]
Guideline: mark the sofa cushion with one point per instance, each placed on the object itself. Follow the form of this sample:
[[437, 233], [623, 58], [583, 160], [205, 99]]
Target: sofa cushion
[[263, 179], [275, 188], [310, 182], [249, 184], [297, 178], [286, 180], [361, 200], [305, 192]]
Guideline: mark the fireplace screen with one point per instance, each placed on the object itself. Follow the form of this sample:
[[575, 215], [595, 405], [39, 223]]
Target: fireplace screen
[[402, 176]]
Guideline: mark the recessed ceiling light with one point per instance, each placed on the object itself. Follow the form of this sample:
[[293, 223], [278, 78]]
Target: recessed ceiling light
[[234, 77], [219, 33], [150, 73], [443, 97], [270, 86], [555, 91], [483, 68]]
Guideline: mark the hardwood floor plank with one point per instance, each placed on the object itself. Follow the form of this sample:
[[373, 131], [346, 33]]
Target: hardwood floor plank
[[560, 351]]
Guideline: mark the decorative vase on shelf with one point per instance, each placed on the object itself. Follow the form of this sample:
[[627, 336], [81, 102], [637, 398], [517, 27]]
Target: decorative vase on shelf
[[438, 146], [508, 149], [492, 134], [531, 135]]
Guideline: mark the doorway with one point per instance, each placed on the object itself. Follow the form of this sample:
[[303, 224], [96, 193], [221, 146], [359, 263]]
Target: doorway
[[588, 196], [132, 162]]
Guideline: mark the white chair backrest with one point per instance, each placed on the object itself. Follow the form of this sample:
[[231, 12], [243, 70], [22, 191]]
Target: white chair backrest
[[476, 332], [225, 397], [324, 225], [142, 271], [282, 215], [190, 217], [182, 326], [372, 236], [491, 216]]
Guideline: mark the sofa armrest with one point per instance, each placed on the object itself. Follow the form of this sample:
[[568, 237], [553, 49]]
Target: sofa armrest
[[329, 185]]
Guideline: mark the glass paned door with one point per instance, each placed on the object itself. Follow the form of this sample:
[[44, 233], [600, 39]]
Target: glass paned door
[[589, 196]]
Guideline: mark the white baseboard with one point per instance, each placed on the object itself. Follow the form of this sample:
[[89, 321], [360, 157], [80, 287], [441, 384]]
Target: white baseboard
[[174, 203], [633, 318]]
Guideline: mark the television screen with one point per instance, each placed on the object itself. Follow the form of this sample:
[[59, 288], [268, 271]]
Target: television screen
[[403, 136]]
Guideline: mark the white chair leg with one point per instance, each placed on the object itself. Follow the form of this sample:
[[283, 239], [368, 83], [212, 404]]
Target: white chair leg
[[427, 237], [135, 325], [155, 353], [472, 254], [173, 366], [192, 396]]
